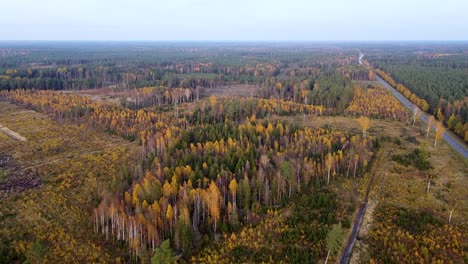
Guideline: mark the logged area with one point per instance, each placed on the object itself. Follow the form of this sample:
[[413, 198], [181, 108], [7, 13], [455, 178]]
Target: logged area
[[48, 186], [227, 153]]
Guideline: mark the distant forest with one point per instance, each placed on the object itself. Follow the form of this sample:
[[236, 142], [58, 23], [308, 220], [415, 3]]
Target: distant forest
[[286, 72], [316, 74]]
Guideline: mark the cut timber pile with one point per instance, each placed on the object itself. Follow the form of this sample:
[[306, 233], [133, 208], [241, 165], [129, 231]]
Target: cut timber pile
[[12, 133], [15, 180]]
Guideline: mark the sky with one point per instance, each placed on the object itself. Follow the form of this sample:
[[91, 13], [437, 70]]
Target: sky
[[234, 20]]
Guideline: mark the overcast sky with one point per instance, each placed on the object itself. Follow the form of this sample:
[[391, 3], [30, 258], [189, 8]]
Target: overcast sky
[[244, 20]]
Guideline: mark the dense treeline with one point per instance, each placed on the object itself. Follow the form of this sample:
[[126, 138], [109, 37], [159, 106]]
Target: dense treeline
[[376, 102], [358, 73], [430, 77], [419, 102], [80, 66], [331, 90], [440, 79]]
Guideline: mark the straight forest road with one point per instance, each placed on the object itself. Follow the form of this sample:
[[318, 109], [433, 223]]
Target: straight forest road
[[449, 137]]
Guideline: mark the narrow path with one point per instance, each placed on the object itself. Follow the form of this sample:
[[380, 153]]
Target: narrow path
[[42, 163], [348, 249]]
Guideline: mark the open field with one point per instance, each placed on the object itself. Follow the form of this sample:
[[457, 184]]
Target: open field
[[243, 90], [377, 127], [112, 95]]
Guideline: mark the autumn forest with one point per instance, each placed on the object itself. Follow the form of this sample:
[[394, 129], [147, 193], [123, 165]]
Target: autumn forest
[[233, 152]]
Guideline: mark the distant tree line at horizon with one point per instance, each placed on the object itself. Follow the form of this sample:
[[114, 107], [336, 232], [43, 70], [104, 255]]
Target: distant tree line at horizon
[[318, 76]]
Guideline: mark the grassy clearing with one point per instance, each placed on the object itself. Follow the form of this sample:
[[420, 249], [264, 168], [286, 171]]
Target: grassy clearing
[[51, 223], [49, 140], [448, 174], [403, 187], [378, 127], [111, 95], [3, 174], [243, 90]]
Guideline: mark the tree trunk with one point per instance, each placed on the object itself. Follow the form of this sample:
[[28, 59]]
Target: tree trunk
[[349, 166], [355, 167], [428, 184], [328, 255], [298, 176]]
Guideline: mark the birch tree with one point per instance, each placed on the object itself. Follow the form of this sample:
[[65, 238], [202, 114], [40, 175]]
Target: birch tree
[[440, 130]]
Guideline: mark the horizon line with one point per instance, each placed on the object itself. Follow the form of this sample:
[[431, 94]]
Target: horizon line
[[231, 41]]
